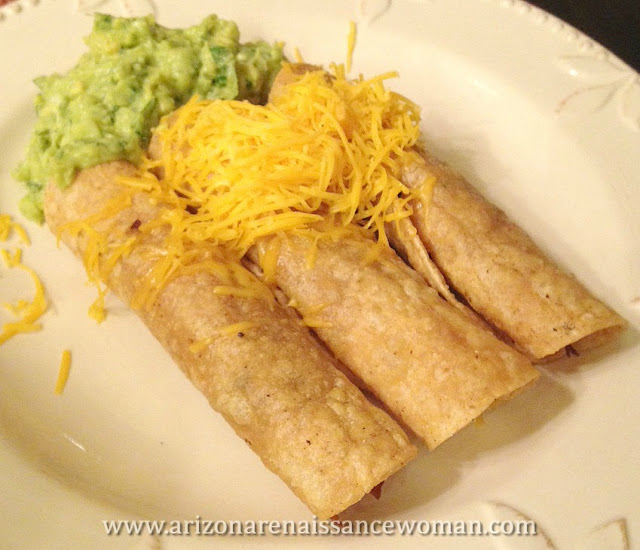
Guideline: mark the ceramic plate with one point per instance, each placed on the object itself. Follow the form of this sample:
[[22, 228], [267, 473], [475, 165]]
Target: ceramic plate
[[543, 120]]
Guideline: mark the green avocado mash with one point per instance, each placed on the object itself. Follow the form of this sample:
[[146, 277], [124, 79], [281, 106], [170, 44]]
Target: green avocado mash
[[134, 73]]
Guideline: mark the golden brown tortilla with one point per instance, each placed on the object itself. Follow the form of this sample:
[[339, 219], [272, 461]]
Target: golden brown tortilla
[[490, 263], [431, 365], [500, 271], [274, 384]]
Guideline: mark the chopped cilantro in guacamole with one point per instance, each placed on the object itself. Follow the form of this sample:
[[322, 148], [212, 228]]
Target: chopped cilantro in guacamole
[[134, 73]]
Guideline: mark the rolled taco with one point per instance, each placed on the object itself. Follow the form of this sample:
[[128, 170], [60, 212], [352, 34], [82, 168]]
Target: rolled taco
[[431, 365], [500, 272], [273, 383], [484, 264]]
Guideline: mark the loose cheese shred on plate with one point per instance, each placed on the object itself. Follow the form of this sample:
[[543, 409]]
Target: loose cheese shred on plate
[[325, 154], [7, 225], [28, 312], [351, 43], [63, 371]]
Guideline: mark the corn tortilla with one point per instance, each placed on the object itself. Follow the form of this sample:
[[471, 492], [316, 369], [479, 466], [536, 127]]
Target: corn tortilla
[[432, 366], [275, 385], [500, 271]]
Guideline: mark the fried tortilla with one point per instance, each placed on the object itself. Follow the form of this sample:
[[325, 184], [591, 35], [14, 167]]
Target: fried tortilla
[[500, 271], [273, 383], [432, 366]]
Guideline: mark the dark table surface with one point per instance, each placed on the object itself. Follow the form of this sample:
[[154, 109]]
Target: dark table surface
[[613, 23]]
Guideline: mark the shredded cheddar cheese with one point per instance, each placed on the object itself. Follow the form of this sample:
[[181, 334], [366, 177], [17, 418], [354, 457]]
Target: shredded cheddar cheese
[[100, 256], [11, 260], [28, 312], [310, 316], [7, 225], [351, 44], [237, 329], [326, 154], [63, 372], [297, 55], [96, 309]]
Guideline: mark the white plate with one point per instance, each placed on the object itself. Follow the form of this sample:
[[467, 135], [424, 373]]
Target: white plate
[[542, 119]]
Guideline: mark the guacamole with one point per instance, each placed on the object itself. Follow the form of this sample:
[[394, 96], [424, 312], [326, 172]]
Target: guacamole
[[134, 73]]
